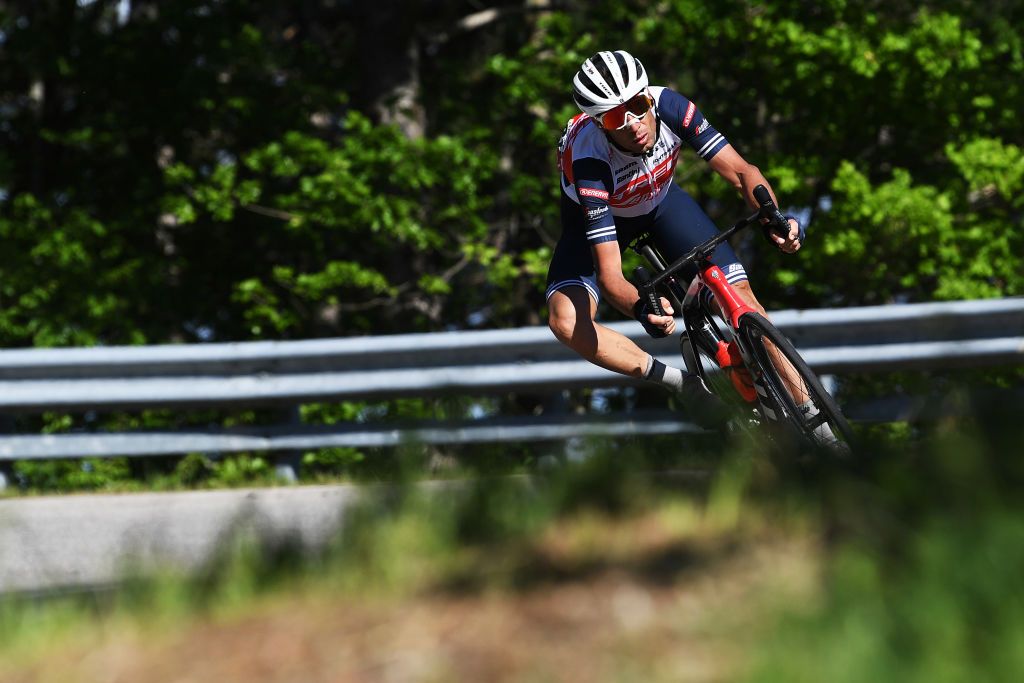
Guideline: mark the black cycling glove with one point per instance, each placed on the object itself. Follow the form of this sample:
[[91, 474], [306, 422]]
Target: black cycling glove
[[641, 309]]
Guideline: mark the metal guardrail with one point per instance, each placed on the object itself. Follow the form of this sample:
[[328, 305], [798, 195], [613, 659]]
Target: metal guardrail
[[305, 437], [868, 339]]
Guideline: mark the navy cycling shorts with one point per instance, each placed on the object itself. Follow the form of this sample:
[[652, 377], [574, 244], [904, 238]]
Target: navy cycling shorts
[[677, 225]]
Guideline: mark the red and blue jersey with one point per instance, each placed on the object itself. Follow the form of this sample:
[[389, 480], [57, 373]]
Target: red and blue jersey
[[607, 181]]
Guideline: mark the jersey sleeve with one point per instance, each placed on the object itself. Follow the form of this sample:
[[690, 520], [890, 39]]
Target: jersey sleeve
[[592, 178], [686, 121]]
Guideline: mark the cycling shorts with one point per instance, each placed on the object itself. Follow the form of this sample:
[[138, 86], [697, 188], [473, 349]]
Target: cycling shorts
[[677, 225]]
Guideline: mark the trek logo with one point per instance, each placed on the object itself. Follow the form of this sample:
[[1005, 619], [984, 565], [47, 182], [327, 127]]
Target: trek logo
[[593, 192], [690, 111]]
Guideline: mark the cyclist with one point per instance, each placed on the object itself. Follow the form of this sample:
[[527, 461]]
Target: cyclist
[[617, 159]]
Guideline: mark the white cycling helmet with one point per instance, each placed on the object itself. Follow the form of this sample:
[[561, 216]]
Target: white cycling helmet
[[607, 80]]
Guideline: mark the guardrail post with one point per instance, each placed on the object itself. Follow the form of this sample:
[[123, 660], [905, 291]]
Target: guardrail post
[[287, 464], [6, 466]]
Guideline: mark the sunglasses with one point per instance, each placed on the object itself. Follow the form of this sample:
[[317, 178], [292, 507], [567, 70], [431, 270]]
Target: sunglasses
[[617, 118]]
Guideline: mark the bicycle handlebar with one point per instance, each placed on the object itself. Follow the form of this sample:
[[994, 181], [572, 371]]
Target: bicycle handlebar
[[767, 210]]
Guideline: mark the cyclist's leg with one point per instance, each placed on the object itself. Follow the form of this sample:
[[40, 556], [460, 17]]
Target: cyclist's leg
[[788, 373], [571, 319], [573, 295]]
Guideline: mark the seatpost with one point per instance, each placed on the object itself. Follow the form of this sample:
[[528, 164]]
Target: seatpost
[[652, 257]]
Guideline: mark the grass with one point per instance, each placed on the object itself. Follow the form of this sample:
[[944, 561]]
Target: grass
[[906, 563]]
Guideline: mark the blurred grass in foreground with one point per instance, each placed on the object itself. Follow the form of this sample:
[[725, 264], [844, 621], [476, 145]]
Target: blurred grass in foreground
[[920, 543], [925, 576]]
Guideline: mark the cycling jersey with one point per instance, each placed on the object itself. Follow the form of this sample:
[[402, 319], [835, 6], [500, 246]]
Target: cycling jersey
[[607, 181], [610, 194]]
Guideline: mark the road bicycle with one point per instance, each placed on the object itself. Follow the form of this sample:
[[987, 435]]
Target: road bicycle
[[745, 360]]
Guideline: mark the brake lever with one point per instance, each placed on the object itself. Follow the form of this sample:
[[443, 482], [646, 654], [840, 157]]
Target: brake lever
[[646, 290], [768, 211]]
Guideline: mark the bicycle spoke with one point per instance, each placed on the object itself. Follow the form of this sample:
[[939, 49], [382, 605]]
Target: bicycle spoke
[[792, 384]]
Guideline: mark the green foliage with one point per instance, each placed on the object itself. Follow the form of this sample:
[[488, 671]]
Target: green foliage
[[409, 202], [65, 476], [280, 189], [246, 170], [123, 474], [954, 616], [332, 461], [920, 542], [925, 579]]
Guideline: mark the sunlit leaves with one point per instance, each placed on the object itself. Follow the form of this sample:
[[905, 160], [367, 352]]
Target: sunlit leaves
[[237, 182], [901, 239], [352, 205], [991, 165]]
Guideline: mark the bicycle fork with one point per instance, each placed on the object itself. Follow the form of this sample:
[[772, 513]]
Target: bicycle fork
[[726, 354], [729, 355]]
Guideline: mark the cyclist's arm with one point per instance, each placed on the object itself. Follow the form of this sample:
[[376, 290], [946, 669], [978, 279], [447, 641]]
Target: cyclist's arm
[[744, 176], [619, 291], [740, 173], [687, 121]]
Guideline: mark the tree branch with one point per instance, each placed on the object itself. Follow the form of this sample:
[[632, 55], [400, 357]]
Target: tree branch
[[267, 211]]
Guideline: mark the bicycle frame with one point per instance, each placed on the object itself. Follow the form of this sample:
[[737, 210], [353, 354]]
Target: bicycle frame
[[730, 355], [733, 307], [709, 275], [762, 365]]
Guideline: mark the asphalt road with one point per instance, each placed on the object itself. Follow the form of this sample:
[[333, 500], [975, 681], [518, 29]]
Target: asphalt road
[[78, 541]]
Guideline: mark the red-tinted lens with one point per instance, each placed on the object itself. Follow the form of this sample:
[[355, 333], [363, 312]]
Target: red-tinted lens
[[616, 118]]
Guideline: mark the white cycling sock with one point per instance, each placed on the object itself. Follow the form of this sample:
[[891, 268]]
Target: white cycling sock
[[665, 375], [823, 432]]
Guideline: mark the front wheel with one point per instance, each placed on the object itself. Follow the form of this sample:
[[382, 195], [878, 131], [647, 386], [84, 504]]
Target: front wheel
[[789, 387], [700, 347]]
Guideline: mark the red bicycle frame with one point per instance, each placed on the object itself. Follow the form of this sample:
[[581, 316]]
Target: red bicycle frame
[[728, 354]]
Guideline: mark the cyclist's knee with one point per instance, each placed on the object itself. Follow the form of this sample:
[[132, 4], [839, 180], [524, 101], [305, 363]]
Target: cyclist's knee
[[566, 312], [562, 324]]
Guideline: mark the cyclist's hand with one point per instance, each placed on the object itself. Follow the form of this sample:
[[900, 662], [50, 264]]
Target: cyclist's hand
[[790, 242], [656, 325]]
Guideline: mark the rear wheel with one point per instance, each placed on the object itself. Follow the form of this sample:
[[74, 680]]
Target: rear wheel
[[793, 393]]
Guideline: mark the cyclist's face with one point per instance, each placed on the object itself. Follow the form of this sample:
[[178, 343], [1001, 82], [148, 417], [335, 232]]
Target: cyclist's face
[[638, 135]]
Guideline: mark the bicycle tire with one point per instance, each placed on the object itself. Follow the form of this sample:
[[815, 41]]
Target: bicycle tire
[[754, 328]]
